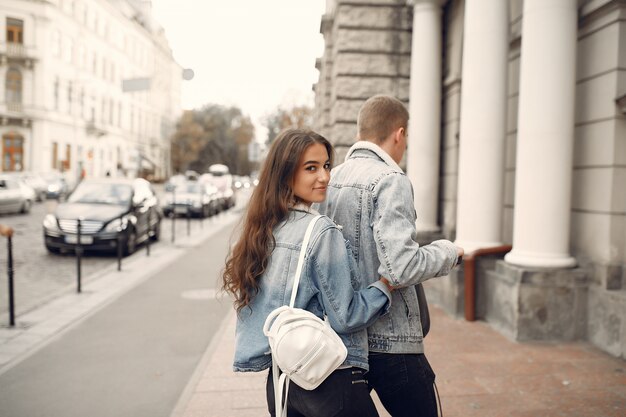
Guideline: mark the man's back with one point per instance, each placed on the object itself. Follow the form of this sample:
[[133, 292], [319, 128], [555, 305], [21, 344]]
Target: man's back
[[372, 199], [350, 203]]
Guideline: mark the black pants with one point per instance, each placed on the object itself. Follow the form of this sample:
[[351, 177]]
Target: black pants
[[405, 384], [343, 394]]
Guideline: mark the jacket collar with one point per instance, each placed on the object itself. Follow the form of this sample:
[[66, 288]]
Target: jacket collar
[[304, 207], [371, 146]]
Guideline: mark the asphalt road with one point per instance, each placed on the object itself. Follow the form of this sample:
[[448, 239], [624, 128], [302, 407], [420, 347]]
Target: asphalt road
[[133, 357]]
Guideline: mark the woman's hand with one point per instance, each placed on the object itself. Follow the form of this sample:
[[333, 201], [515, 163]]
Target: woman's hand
[[387, 283], [459, 253]]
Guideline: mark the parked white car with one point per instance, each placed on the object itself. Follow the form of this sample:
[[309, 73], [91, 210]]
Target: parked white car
[[37, 183], [13, 197]]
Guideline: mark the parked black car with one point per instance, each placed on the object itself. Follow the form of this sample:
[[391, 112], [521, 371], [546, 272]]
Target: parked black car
[[108, 209]]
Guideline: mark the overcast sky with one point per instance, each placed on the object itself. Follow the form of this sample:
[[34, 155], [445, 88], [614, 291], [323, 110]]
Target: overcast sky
[[255, 54]]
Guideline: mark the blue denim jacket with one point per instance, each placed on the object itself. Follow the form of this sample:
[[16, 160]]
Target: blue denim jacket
[[371, 197], [327, 286]]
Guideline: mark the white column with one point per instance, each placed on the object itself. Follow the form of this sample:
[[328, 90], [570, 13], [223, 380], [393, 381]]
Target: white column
[[483, 124], [543, 178], [425, 111]]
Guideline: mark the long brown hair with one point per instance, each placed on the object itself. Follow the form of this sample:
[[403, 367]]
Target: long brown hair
[[268, 206]]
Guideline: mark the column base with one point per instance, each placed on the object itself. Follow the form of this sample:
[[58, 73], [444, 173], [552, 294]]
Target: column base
[[539, 260], [548, 305], [535, 304]]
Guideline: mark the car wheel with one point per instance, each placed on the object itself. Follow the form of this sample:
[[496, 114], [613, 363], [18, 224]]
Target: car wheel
[[52, 249], [131, 243]]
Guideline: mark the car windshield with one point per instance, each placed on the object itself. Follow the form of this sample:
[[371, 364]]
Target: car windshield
[[101, 193]]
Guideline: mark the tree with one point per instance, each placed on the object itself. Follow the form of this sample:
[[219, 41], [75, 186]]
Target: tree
[[214, 134], [281, 118]]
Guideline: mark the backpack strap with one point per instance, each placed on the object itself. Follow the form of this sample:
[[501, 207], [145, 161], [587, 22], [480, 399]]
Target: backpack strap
[[305, 244], [281, 382]]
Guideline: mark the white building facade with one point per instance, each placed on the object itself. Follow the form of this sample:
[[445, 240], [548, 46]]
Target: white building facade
[[89, 87], [517, 138]]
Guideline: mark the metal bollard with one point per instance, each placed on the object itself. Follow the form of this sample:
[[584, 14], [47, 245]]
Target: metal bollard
[[119, 251], [189, 219], [173, 215], [119, 246], [149, 232], [79, 253], [8, 232]]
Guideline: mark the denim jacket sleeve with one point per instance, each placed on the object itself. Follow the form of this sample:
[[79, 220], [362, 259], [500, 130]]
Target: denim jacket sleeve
[[330, 271], [402, 261]]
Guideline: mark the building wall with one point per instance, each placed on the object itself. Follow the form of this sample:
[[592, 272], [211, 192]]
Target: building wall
[[599, 177], [81, 53], [368, 46], [451, 115]]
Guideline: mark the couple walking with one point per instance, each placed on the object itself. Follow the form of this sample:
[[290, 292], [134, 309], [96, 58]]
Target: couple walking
[[361, 269]]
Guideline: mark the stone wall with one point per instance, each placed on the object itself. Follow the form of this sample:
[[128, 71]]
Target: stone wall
[[368, 46]]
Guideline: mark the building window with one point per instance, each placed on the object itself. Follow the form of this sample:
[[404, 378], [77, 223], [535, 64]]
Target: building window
[[13, 86], [82, 102], [55, 151], [56, 43], [67, 163], [68, 49], [93, 109], [12, 152], [15, 30], [70, 92], [56, 94]]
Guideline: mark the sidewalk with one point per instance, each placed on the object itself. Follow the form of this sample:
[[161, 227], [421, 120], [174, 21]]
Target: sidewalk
[[479, 373]]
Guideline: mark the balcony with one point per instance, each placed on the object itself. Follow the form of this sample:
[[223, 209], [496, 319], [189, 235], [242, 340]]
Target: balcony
[[16, 52], [15, 107]]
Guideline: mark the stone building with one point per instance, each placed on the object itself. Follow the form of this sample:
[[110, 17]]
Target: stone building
[[88, 86], [517, 138]]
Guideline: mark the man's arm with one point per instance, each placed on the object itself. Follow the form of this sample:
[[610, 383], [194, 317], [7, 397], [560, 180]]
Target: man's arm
[[402, 260]]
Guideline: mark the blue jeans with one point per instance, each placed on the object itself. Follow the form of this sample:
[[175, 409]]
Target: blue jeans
[[343, 394], [405, 384]]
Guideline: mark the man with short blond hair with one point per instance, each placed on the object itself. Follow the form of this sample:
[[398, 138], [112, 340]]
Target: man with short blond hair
[[372, 198]]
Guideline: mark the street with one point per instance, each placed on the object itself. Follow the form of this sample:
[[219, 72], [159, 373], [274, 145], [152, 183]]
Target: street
[[39, 276], [134, 356]]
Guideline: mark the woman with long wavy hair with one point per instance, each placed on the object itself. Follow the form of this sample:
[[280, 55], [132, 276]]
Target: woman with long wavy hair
[[260, 268]]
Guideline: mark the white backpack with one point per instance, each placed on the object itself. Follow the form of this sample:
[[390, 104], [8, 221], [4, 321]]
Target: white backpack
[[304, 347]]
